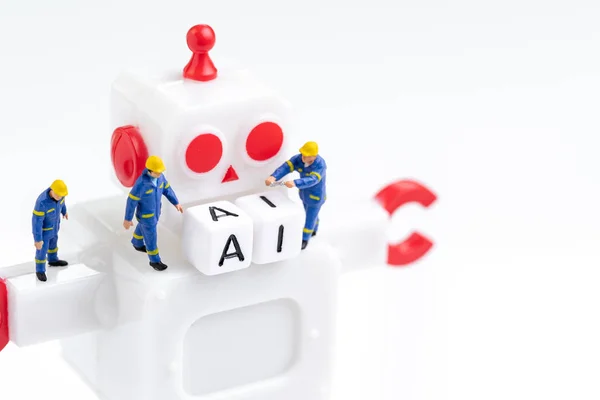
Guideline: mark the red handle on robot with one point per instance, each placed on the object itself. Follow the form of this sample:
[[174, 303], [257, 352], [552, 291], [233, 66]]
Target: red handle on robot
[[3, 314], [391, 198]]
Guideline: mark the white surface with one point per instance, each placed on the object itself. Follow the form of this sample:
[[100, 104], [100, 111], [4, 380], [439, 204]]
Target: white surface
[[491, 104], [208, 244], [63, 306], [287, 215]]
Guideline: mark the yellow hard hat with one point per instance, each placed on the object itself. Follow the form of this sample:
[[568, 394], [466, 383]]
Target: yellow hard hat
[[59, 187], [310, 149], [155, 164]]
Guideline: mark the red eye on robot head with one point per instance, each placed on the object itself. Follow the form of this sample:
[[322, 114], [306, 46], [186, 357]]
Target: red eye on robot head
[[204, 153], [264, 141]]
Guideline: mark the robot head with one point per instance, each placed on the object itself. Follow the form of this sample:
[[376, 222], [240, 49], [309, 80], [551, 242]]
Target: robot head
[[219, 133]]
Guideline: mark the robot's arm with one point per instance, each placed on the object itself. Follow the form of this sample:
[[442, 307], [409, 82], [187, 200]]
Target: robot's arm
[[169, 193], [74, 300], [37, 221], [132, 200], [65, 306], [362, 240]]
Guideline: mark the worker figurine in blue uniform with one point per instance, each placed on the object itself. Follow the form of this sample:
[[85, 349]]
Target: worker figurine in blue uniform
[[312, 169], [49, 208], [145, 200]]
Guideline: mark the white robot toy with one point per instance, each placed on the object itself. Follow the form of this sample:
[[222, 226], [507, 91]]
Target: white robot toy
[[257, 327]]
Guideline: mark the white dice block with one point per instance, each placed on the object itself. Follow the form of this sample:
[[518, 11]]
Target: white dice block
[[278, 223], [217, 238], [63, 306]]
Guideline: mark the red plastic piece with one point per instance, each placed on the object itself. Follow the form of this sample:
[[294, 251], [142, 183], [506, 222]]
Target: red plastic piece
[[128, 153], [230, 175], [264, 141], [204, 153], [394, 196], [4, 339], [200, 40]]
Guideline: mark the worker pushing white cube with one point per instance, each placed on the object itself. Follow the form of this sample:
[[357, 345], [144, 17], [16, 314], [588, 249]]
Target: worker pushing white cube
[[278, 223], [241, 313], [217, 237]]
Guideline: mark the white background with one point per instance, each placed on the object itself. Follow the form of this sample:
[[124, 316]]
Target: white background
[[492, 104]]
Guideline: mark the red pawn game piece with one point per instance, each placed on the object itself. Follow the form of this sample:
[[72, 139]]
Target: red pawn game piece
[[200, 40]]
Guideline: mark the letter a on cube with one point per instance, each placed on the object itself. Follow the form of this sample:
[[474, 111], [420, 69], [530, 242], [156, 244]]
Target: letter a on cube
[[278, 224], [217, 238]]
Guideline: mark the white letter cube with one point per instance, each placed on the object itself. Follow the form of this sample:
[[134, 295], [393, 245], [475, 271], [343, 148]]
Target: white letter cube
[[278, 224], [217, 237]]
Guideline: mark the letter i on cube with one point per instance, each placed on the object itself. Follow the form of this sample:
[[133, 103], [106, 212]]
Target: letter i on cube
[[217, 238], [278, 223]]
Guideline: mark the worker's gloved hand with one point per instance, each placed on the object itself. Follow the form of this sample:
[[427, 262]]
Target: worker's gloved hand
[[38, 245], [179, 208], [127, 224], [269, 181], [290, 184]]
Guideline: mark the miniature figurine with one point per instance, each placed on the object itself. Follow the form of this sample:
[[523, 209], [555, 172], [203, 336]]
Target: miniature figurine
[[312, 169], [49, 206], [145, 200]]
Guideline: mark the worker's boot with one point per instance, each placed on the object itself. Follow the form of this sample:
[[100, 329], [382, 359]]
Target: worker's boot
[[159, 266], [141, 248], [304, 244], [41, 276], [58, 263]]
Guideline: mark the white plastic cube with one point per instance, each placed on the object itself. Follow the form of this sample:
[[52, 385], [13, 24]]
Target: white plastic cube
[[278, 223], [204, 131], [217, 238]]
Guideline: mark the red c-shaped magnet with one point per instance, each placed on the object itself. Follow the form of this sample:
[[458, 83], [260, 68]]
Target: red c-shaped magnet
[[391, 198], [3, 314]]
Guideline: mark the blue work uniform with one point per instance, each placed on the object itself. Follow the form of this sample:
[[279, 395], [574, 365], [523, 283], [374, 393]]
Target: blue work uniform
[[145, 201], [45, 224], [312, 188]]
